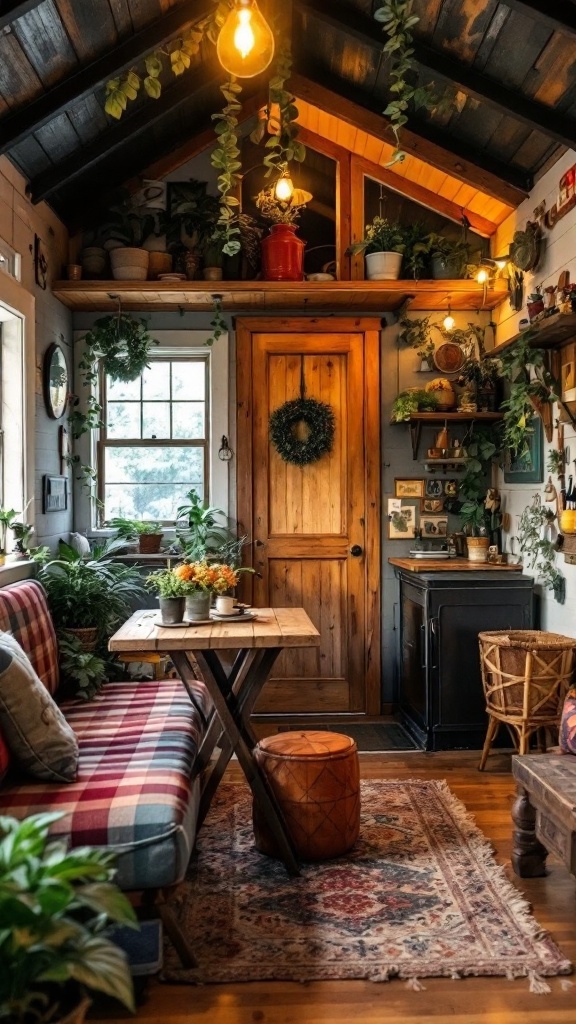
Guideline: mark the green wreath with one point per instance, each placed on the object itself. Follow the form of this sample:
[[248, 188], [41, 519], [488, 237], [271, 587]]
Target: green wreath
[[122, 343], [319, 419]]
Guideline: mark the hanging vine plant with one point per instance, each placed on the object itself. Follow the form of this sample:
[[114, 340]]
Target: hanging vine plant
[[531, 386], [283, 145], [225, 158], [318, 419]]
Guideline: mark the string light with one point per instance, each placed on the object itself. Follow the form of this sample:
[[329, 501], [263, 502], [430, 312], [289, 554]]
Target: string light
[[245, 44], [449, 322]]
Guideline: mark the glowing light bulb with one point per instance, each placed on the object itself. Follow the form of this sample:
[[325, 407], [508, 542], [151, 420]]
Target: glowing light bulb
[[482, 276], [284, 188], [449, 322], [245, 44]]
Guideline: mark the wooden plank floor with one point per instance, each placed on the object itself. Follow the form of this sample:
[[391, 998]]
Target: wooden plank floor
[[474, 1000]]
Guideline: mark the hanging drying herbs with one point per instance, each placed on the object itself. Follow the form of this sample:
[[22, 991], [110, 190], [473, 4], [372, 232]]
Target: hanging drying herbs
[[318, 419]]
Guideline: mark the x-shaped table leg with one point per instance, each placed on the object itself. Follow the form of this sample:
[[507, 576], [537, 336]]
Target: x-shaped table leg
[[234, 695]]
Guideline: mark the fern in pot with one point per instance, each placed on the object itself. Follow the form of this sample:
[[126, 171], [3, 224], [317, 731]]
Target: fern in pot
[[55, 907]]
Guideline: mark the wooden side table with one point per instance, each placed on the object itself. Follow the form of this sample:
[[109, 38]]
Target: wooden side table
[[544, 812]]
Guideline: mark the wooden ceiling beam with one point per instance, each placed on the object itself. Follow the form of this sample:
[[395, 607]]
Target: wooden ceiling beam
[[424, 141], [560, 15], [12, 11], [124, 132], [25, 120], [487, 90]]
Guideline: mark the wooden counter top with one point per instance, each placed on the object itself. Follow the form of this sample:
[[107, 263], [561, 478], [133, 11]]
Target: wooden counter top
[[450, 565]]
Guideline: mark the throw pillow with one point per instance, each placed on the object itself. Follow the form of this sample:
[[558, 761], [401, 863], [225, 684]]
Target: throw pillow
[[36, 732], [568, 724], [80, 543]]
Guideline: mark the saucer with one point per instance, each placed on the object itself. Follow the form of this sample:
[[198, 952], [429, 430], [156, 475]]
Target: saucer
[[171, 277], [242, 616]]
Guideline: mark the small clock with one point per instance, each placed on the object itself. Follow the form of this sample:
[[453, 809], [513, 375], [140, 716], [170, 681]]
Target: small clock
[[55, 379]]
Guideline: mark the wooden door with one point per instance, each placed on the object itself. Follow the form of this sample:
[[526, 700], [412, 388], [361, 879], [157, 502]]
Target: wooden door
[[305, 521]]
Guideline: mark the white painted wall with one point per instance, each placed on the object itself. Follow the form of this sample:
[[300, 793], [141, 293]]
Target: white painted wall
[[559, 255]]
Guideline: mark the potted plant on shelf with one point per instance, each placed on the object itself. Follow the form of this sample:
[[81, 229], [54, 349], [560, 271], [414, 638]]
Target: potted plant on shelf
[[192, 220], [282, 250], [148, 533], [7, 517], [484, 376], [55, 905], [383, 246], [412, 400], [204, 534], [213, 256], [125, 231], [22, 533], [171, 592], [449, 257], [444, 393]]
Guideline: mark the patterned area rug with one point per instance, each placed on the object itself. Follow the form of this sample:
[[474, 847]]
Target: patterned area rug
[[420, 895]]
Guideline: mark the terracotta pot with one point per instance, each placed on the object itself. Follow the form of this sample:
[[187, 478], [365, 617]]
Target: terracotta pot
[[158, 263], [212, 273], [478, 548], [74, 271], [149, 543], [282, 254], [88, 637], [129, 264]]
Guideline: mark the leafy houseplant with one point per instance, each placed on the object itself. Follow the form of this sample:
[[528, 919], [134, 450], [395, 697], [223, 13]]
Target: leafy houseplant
[[449, 256], [204, 534], [532, 387], [7, 517], [383, 245], [149, 533], [93, 594], [413, 400], [475, 521], [416, 334], [171, 592], [54, 907], [82, 672], [534, 541], [22, 533]]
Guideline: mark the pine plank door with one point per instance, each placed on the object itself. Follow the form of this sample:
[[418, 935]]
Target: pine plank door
[[315, 529]]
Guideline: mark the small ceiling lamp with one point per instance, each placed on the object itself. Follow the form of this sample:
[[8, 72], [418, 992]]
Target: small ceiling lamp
[[245, 44], [449, 322], [284, 189]]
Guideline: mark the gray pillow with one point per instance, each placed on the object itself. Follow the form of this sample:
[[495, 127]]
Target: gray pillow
[[36, 732], [80, 543]]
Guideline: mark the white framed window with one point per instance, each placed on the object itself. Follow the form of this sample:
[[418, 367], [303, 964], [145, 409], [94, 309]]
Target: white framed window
[[12, 412], [10, 260], [161, 436]]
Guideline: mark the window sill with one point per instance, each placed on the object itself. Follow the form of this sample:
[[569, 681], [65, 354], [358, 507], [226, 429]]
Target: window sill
[[12, 572]]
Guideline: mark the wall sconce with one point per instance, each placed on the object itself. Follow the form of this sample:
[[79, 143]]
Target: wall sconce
[[449, 322], [245, 44]]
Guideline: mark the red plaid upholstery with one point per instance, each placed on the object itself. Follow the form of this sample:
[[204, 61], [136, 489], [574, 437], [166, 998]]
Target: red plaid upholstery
[[134, 790], [24, 612], [4, 758]]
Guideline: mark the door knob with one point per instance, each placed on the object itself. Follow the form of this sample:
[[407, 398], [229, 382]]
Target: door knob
[[356, 550]]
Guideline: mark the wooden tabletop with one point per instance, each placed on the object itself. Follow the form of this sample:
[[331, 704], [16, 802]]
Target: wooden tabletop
[[273, 627], [450, 565]]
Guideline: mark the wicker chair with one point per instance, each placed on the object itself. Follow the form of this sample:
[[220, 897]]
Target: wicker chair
[[525, 675]]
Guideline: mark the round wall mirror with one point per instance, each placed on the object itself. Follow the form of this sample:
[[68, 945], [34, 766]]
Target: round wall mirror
[[55, 381]]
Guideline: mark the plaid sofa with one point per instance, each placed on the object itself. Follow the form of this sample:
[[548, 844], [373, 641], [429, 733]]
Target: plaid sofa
[[136, 789]]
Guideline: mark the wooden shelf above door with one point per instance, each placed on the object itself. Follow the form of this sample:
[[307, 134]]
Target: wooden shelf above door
[[266, 296]]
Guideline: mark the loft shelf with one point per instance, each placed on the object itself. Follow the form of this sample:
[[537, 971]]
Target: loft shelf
[[554, 332], [272, 296], [419, 419]]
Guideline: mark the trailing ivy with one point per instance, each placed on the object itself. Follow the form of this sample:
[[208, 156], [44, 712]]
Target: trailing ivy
[[217, 323], [532, 537], [397, 20], [282, 147], [531, 383], [225, 159]]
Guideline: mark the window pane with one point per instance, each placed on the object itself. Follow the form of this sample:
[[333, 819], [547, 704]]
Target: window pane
[[147, 501], [188, 419], [118, 390], [156, 420], [156, 381], [154, 465], [123, 419], [189, 380]]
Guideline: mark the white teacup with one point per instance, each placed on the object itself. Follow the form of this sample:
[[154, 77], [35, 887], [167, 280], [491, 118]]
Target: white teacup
[[225, 605]]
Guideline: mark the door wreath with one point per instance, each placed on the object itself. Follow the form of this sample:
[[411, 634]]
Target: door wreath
[[318, 418]]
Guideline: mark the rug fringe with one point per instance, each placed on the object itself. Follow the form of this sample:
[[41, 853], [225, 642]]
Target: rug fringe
[[537, 984], [415, 985]]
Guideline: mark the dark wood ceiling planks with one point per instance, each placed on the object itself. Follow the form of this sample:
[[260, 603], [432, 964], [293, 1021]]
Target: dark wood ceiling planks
[[507, 71]]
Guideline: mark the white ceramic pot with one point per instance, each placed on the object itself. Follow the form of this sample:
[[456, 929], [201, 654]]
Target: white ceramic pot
[[383, 266], [224, 605], [129, 264]]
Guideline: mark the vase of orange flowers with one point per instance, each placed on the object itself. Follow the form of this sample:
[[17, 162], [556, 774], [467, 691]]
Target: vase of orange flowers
[[200, 581]]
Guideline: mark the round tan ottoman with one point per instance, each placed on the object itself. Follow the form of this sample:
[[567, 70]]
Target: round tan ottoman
[[315, 778]]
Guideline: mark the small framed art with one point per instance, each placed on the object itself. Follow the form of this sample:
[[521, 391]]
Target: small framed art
[[433, 488], [432, 505], [409, 488], [530, 469], [402, 519], [433, 526]]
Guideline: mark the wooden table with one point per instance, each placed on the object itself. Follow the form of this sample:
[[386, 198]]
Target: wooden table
[[234, 690], [544, 812]]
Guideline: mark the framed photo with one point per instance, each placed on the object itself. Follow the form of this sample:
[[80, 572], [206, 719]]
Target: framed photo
[[451, 488], [409, 488], [402, 521], [433, 526], [529, 470], [434, 488], [432, 505]]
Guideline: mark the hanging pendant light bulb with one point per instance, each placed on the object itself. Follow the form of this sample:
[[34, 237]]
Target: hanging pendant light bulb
[[449, 322], [245, 44], [482, 276], [284, 188]]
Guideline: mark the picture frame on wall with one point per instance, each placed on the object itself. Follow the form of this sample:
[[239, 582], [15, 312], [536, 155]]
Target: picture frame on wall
[[530, 469], [433, 506], [402, 520], [433, 525], [404, 488]]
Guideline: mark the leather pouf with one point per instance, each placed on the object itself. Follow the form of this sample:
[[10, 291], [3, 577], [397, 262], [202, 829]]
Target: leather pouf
[[316, 780]]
